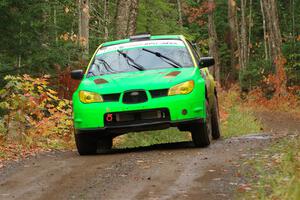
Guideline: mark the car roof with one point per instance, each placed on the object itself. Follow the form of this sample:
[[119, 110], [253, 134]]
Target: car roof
[[153, 37]]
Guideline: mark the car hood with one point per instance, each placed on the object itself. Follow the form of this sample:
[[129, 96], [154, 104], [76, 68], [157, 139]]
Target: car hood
[[140, 80]]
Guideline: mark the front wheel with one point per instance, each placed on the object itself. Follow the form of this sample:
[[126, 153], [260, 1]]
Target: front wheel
[[201, 131], [86, 144]]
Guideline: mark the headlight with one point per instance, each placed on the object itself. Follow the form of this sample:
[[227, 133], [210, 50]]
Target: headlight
[[89, 97], [182, 88]]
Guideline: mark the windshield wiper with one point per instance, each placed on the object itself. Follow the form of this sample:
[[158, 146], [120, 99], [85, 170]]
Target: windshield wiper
[[172, 62], [106, 66], [134, 64], [96, 64]]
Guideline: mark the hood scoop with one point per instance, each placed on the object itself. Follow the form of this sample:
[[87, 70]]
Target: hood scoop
[[172, 74], [100, 81]]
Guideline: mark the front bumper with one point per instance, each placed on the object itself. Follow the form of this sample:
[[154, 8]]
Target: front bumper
[[119, 130], [180, 108]]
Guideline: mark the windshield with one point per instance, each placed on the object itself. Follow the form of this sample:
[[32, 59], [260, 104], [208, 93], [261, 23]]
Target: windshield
[[134, 56]]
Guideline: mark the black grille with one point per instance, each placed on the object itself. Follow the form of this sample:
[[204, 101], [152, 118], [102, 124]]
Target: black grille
[[136, 117], [111, 97], [137, 96], [159, 93]]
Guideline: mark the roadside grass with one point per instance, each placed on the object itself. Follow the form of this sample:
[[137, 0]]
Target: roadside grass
[[239, 122], [274, 173], [236, 118], [171, 135]]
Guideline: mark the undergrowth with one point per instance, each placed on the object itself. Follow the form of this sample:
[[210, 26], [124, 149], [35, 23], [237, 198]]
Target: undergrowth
[[236, 118], [32, 118]]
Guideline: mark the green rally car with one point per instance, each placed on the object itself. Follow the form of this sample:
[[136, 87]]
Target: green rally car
[[144, 83]]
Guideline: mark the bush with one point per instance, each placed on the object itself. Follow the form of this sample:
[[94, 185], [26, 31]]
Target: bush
[[253, 75], [292, 54], [33, 112]]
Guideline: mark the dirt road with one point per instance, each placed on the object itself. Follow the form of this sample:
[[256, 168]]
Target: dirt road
[[166, 171], [171, 171]]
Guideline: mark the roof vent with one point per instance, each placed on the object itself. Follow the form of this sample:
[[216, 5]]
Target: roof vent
[[140, 37]]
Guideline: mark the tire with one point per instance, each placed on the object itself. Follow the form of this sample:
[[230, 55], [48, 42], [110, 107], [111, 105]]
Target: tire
[[105, 144], [201, 131], [215, 120], [86, 144]]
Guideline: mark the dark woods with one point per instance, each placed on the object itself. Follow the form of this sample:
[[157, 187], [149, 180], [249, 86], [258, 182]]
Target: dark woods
[[255, 43]]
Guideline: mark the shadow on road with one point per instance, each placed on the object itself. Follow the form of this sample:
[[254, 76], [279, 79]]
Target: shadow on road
[[163, 146]]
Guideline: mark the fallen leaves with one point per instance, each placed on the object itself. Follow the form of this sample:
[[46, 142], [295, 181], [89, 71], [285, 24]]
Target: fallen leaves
[[244, 187], [16, 152]]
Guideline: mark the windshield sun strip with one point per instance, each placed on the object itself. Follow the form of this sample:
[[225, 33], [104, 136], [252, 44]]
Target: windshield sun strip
[[139, 47]]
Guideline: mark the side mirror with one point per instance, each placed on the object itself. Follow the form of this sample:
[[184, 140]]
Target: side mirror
[[206, 62], [77, 74]]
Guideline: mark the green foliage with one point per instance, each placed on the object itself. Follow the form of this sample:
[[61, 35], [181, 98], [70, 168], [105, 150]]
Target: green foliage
[[30, 35], [159, 17], [2, 128], [44, 33], [253, 75], [291, 51]]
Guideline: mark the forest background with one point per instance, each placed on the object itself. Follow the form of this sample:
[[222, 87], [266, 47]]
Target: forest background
[[256, 45]]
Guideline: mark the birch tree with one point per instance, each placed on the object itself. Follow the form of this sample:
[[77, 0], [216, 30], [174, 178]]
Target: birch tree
[[83, 24], [234, 35], [275, 42], [243, 37], [134, 4], [179, 8], [126, 15], [213, 40]]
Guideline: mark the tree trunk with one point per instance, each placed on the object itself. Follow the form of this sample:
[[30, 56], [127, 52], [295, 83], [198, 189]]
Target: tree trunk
[[249, 32], [105, 20], [84, 19], [273, 30], [265, 31], [293, 23], [275, 40], [234, 37], [179, 7], [134, 7], [244, 47], [55, 24], [213, 48], [122, 17]]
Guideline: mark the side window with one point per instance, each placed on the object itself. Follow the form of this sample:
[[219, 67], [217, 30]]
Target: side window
[[194, 50]]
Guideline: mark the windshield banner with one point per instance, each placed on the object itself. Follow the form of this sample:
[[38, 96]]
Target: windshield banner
[[141, 44]]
